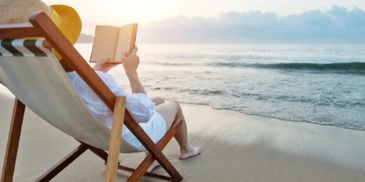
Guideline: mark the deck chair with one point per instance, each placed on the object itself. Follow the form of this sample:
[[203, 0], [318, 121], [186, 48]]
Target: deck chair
[[39, 81]]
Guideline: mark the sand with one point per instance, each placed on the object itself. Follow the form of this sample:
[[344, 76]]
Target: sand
[[235, 147]]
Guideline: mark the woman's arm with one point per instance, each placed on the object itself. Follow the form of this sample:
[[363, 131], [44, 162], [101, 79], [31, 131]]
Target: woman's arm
[[135, 83], [130, 63]]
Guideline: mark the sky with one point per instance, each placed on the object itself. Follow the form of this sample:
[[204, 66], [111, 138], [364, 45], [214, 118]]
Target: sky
[[142, 11], [229, 21], [335, 25]]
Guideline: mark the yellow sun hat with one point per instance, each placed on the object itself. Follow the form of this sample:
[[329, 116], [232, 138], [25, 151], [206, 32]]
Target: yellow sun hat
[[67, 20]]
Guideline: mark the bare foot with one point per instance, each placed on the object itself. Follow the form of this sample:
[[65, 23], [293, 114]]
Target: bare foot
[[153, 166], [191, 152]]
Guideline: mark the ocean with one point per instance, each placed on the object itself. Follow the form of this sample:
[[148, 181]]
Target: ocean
[[314, 83]]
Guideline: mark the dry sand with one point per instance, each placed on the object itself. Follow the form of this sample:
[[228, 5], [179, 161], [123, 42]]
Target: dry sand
[[235, 147]]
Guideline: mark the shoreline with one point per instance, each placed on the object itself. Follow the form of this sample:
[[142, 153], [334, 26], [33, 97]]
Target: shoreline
[[234, 146], [7, 93], [271, 117]]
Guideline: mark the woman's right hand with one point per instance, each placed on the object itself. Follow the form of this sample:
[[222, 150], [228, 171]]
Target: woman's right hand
[[130, 62]]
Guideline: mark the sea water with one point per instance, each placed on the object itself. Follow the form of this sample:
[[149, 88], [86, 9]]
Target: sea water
[[314, 83]]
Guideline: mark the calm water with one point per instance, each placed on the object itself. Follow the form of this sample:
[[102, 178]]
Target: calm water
[[323, 84]]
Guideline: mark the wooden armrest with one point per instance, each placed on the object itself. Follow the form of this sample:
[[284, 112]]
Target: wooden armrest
[[115, 139]]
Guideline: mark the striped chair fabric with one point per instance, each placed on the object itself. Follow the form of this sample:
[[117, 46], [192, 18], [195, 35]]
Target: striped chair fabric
[[23, 47]]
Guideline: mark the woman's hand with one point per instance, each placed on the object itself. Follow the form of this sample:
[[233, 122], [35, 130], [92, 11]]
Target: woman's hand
[[105, 66], [131, 62]]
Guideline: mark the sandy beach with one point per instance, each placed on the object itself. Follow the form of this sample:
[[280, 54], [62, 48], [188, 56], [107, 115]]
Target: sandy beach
[[235, 147]]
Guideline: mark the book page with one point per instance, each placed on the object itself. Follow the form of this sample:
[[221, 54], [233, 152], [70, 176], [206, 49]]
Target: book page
[[105, 42], [126, 40]]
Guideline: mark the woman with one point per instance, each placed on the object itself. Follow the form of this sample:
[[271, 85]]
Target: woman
[[155, 120]]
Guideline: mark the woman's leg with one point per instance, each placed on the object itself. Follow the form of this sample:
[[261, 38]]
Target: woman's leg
[[158, 100], [171, 111], [155, 164]]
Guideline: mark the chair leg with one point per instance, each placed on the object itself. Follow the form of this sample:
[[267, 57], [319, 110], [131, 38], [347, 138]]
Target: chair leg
[[99, 152], [140, 171], [52, 172], [152, 149], [115, 140], [13, 141], [104, 155], [150, 174], [142, 168]]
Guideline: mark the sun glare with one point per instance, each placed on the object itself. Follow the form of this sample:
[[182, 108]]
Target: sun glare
[[121, 11], [139, 10]]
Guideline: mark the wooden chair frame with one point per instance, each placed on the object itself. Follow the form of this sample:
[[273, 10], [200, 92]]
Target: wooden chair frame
[[42, 26]]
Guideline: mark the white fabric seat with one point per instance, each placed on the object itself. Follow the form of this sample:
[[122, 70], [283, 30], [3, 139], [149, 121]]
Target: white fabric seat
[[38, 80]]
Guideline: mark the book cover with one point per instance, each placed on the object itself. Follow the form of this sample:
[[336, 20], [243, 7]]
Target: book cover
[[111, 42]]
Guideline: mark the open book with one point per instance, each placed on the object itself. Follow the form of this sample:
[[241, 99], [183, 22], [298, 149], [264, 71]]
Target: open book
[[111, 42]]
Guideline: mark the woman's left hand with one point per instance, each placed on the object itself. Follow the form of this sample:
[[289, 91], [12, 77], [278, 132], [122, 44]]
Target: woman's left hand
[[105, 65]]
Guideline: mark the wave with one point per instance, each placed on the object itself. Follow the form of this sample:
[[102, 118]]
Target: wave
[[229, 57], [352, 67]]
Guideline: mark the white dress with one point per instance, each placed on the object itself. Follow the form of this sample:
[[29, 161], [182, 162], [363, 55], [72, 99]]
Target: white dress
[[139, 105]]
